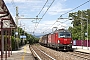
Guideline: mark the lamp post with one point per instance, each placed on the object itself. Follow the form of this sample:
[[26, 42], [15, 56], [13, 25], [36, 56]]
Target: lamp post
[[87, 33], [87, 30]]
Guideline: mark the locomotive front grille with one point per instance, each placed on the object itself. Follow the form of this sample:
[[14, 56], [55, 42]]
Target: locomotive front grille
[[65, 47]]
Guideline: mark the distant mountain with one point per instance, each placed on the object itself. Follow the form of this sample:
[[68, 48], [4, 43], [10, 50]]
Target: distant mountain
[[38, 36]]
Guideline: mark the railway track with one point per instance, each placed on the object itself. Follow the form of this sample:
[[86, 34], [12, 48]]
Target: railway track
[[39, 54], [44, 53], [82, 55]]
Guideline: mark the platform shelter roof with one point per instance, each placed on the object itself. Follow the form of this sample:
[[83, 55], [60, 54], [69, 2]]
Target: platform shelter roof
[[5, 17]]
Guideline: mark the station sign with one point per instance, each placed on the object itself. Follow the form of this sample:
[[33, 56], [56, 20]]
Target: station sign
[[23, 36], [6, 24], [74, 42]]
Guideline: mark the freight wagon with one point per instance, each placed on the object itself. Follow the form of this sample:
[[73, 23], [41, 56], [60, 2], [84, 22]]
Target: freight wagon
[[44, 40], [60, 39]]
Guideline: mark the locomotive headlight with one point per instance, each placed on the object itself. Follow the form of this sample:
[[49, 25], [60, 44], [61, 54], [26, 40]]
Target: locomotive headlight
[[58, 41], [71, 41]]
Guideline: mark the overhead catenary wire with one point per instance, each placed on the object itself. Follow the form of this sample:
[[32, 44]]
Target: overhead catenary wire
[[42, 8], [47, 9], [13, 3], [54, 23], [50, 26], [76, 7], [68, 12], [39, 14], [43, 14]]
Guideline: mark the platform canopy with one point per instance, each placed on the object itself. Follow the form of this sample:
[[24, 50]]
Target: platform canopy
[[6, 19]]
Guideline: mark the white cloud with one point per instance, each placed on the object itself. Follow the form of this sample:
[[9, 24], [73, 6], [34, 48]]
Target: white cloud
[[58, 9], [46, 26], [19, 1], [32, 7]]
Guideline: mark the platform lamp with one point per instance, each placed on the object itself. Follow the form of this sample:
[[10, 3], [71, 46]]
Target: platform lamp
[[87, 29]]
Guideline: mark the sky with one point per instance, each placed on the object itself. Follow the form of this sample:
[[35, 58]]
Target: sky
[[49, 14]]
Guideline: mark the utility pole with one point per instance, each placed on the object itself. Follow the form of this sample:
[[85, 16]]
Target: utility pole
[[87, 34], [17, 18], [81, 30], [87, 30], [17, 27], [32, 21], [17, 15]]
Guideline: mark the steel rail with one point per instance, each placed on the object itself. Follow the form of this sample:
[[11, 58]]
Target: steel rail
[[47, 54], [36, 54]]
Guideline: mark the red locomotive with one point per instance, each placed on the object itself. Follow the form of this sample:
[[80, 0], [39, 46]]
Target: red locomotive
[[60, 39]]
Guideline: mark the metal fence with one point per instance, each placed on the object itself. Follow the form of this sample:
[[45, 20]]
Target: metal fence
[[81, 43]]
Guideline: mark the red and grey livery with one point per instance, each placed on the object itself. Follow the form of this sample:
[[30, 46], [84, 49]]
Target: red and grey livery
[[60, 39]]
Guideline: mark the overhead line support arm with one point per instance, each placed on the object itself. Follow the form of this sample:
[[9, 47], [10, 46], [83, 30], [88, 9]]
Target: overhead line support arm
[[29, 18]]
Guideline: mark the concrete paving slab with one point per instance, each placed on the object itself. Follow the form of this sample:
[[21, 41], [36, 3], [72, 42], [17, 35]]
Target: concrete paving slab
[[82, 49], [23, 53]]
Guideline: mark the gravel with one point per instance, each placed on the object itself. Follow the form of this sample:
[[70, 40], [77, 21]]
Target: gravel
[[58, 55]]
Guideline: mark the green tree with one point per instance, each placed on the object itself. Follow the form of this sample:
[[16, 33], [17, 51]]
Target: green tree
[[80, 24]]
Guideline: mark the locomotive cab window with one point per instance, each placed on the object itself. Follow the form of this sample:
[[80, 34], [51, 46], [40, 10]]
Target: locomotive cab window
[[64, 35]]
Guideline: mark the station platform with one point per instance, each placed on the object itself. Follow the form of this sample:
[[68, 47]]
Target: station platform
[[23, 53], [82, 49]]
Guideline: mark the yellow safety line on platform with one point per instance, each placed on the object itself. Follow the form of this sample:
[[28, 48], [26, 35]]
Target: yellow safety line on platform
[[24, 53]]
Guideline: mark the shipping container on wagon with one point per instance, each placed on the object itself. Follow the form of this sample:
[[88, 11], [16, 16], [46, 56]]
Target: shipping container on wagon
[[45, 40], [49, 40], [40, 40], [53, 38]]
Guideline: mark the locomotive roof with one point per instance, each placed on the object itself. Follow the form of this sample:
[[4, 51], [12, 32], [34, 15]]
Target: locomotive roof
[[61, 30]]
